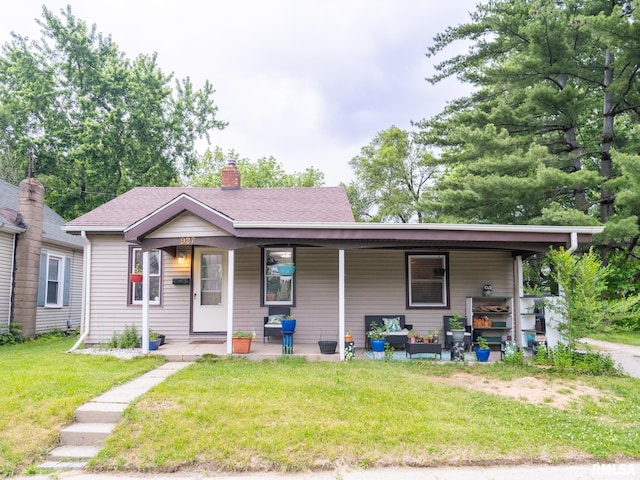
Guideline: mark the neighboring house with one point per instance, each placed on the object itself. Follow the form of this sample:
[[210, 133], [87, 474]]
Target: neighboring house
[[213, 256], [41, 265]]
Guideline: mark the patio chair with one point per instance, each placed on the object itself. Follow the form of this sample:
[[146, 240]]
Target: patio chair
[[272, 325]]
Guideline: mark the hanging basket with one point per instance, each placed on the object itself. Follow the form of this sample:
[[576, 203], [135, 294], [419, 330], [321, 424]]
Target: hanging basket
[[286, 270], [327, 347], [136, 277]]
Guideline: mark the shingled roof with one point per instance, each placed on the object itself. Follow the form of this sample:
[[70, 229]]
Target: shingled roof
[[318, 204], [52, 222]]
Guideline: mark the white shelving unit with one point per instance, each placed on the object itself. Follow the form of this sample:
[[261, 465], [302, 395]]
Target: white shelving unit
[[491, 318]]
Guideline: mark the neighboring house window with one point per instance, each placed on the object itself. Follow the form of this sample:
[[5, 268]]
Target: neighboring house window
[[277, 289], [54, 281], [155, 269], [427, 280]]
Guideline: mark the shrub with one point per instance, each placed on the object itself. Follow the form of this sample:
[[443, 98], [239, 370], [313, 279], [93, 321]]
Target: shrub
[[127, 339]]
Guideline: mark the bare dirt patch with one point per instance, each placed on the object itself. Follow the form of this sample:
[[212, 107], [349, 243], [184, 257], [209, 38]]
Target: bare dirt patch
[[558, 394]]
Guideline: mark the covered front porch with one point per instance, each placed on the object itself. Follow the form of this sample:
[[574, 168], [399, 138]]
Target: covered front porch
[[190, 351]]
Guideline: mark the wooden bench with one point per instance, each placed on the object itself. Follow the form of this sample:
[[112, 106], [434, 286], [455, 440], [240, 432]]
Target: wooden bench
[[395, 339]]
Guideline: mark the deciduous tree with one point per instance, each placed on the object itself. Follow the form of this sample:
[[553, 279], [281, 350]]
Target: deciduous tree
[[97, 122]]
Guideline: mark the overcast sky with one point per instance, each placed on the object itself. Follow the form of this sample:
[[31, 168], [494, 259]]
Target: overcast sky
[[309, 82]]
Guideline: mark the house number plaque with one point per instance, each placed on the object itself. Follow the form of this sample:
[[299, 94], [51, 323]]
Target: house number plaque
[[187, 240]]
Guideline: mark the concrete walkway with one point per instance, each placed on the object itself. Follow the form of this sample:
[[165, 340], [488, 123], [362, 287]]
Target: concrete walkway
[[627, 356], [96, 419]]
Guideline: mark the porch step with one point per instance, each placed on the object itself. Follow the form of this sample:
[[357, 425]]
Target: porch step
[[86, 434], [66, 453], [100, 412]]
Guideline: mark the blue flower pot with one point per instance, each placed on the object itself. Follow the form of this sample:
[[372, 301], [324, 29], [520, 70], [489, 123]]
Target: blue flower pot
[[377, 344], [154, 344], [482, 355], [288, 326]]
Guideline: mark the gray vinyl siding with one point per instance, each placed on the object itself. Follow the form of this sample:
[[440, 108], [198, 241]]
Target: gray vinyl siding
[[6, 266], [110, 312], [375, 284], [49, 319]]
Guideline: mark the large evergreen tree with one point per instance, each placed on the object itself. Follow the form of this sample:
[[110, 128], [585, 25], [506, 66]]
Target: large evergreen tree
[[97, 122], [556, 94]]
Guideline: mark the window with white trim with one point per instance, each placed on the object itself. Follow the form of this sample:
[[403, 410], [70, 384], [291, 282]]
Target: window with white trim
[[54, 281], [154, 273], [427, 280], [277, 285]]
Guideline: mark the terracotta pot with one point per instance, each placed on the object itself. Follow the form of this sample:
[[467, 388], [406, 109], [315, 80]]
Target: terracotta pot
[[241, 344], [348, 338]]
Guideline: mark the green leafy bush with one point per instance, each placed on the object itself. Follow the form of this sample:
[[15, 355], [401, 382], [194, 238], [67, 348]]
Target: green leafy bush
[[127, 339]]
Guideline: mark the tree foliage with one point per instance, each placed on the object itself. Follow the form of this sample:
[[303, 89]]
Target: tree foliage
[[97, 122], [263, 173], [392, 174], [556, 94]]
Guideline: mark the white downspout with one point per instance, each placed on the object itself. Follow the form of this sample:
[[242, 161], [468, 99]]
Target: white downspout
[[341, 331], [12, 279], [86, 285], [574, 242]]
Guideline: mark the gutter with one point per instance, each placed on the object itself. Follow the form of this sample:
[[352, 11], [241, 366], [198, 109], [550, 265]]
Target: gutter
[[86, 311]]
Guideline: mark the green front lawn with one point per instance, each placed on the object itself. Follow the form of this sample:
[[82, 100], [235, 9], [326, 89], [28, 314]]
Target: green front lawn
[[292, 415], [41, 386]]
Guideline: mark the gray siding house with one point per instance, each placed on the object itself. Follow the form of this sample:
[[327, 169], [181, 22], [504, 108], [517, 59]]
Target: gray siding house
[[41, 265], [210, 260]]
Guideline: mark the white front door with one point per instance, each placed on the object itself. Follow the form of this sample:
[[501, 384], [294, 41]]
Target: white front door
[[209, 290]]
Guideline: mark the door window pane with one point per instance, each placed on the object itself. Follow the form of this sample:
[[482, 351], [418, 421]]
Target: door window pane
[[211, 279]]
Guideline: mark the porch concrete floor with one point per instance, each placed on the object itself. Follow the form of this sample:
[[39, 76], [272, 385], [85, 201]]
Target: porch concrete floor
[[189, 351]]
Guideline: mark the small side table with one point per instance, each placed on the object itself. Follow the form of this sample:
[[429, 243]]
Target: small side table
[[412, 348]]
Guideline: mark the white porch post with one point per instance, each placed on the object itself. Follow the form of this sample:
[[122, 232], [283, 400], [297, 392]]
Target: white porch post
[[145, 302], [341, 302], [230, 284]]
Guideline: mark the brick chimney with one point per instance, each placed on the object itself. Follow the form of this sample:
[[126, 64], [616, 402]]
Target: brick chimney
[[31, 207], [230, 176]]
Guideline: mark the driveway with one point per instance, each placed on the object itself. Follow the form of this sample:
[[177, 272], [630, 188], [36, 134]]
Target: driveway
[[627, 356]]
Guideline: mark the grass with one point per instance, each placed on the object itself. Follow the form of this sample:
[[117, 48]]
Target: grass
[[626, 337], [290, 415], [40, 389]]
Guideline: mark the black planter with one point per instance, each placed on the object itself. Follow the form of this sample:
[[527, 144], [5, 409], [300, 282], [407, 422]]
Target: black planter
[[327, 347]]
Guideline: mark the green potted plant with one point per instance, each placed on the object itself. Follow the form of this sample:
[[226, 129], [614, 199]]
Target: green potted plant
[[412, 336], [457, 329], [241, 341], [154, 340], [378, 336], [288, 324], [483, 350]]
